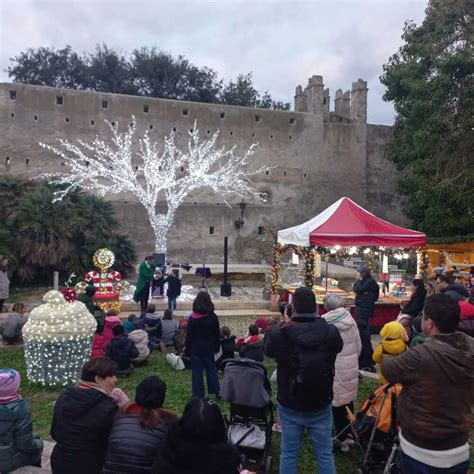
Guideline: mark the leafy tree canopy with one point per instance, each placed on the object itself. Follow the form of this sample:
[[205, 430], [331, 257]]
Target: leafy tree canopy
[[430, 80], [40, 236], [146, 71]]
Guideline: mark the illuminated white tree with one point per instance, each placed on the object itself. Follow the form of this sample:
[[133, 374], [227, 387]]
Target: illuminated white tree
[[153, 172]]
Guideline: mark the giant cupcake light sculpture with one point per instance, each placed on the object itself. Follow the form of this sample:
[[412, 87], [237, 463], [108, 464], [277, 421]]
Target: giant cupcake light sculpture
[[58, 340]]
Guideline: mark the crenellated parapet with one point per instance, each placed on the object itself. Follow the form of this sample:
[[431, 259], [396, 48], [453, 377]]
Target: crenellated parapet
[[348, 106]]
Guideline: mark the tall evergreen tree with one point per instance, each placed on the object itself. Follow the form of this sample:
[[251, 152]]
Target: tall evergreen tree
[[430, 80]]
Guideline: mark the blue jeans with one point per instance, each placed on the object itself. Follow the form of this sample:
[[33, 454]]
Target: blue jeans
[[199, 364], [319, 425], [171, 303], [412, 466]]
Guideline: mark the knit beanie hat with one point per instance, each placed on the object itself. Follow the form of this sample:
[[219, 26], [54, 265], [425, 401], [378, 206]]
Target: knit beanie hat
[[9, 385], [150, 392]]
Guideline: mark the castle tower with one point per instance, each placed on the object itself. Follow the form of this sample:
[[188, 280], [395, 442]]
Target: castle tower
[[326, 102], [343, 104], [359, 101], [301, 103], [315, 94]]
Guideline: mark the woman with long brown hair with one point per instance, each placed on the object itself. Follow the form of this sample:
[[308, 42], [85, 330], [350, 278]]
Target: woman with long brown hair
[[139, 430]]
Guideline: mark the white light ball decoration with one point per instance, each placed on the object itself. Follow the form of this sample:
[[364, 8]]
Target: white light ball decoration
[[58, 340]]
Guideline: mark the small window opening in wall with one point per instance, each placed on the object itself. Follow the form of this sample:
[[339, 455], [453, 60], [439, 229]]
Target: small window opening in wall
[[12, 115], [304, 175], [36, 117], [182, 169], [13, 95], [146, 108], [253, 134], [7, 160], [59, 100], [258, 118], [92, 122], [67, 119], [267, 172], [208, 132], [231, 133], [151, 127], [63, 164], [105, 104], [211, 230], [284, 173], [292, 121], [222, 115], [174, 129], [261, 230], [185, 112], [113, 124], [87, 164], [191, 130], [27, 161], [271, 136], [218, 204], [290, 138], [195, 203], [136, 167]]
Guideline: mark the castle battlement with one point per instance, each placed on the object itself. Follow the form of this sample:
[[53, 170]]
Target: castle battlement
[[350, 106]]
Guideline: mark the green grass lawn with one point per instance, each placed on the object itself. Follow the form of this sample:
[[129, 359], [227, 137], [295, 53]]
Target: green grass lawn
[[178, 393]]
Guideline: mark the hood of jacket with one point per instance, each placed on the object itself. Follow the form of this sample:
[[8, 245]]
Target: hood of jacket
[[205, 321], [339, 317], [111, 321], [151, 316], [138, 335], [78, 401], [458, 289], [121, 341], [11, 412], [454, 354], [394, 346]]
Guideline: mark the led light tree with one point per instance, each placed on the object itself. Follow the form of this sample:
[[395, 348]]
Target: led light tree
[[153, 173]]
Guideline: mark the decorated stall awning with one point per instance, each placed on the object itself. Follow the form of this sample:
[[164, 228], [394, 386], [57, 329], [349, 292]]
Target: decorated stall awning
[[347, 224]]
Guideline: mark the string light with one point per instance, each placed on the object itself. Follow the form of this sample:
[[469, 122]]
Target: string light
[[58, 340], [170, 173]]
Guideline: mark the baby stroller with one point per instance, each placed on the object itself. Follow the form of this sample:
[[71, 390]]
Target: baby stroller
[[246, 386], [375, 430]]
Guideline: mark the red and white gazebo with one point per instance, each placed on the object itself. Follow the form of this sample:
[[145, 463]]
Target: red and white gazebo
[[345, 223]]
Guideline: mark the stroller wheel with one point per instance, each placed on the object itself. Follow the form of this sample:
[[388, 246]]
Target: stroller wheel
[[268, 464]]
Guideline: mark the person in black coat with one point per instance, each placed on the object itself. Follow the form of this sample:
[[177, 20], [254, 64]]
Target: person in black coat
[[82, 420], [252, 346], [367, 293], [305, 348], [228, 346], [202, 342], [412, 308], [174, 288], [122, 350], [198, 444], [139, 431]]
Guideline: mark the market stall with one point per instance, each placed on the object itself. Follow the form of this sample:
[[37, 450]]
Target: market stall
[[345, 228]]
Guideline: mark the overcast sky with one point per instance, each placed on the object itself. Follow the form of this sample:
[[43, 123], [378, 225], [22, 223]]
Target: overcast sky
[[282, 43]]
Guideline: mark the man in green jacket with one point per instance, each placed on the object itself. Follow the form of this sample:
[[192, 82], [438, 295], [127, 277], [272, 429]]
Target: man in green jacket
[[145, 275]]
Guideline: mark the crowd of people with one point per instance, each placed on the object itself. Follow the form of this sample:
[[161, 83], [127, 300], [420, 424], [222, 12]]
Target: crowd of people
[[428, 350]]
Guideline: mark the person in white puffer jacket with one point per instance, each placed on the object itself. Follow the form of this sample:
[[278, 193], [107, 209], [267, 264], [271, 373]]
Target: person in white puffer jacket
[[346, 378], [140, 337]]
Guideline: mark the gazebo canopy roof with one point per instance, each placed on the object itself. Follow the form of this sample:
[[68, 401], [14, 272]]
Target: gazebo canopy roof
[[347, 224]]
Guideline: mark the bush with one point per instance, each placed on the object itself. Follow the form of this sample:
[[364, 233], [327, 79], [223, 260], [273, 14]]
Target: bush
[[40, 236]]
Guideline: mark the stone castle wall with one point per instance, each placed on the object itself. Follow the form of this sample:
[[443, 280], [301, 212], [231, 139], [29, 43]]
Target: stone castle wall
[[316, 156]]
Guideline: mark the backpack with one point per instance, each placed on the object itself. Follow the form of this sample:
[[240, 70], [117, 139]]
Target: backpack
[[312, 374]]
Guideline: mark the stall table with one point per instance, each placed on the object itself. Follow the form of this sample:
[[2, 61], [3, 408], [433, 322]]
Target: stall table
[[386, 309]]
